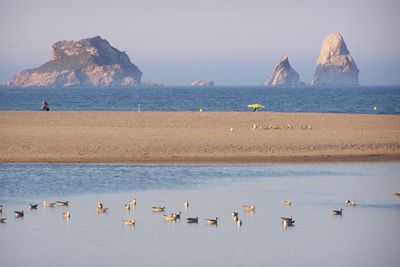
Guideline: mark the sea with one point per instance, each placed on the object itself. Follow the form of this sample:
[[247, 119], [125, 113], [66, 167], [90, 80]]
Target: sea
[[366, 234], [358, 100]]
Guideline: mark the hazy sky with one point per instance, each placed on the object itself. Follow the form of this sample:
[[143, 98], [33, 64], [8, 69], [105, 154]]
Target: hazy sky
[[229, 41]]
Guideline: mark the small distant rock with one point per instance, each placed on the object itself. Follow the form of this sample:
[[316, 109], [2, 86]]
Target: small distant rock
[[283, 74], [202, 84], [151, 84], [335, 65]]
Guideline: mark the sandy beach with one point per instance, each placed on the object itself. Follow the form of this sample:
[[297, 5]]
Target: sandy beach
[[202, 137]]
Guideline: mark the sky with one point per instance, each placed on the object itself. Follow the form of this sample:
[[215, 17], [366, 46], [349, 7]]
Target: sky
[[232, 42]]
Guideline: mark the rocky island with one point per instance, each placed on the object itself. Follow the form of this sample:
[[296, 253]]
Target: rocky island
[[88, 62], [335, 65], [283, 74]]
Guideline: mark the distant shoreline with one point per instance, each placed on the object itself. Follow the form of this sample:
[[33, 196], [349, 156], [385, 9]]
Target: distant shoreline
[[197, 137]]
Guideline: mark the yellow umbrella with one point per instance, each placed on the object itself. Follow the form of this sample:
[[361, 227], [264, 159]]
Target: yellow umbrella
[[255, 106]]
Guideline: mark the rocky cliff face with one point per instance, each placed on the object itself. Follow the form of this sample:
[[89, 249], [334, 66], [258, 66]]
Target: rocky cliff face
[[335, 65], [88, 62], [283, 74]]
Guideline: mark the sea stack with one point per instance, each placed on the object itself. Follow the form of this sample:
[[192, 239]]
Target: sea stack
[[283, 74], [89, 62], [335, 65]]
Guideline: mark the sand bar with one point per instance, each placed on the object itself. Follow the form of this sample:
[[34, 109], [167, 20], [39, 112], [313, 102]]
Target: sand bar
[[196, 137]]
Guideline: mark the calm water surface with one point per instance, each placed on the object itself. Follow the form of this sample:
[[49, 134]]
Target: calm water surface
[[360, 99], [366, 235]]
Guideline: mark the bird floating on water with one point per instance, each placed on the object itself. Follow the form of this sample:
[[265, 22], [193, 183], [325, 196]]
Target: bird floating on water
[[129, 222], [238, 222], [234, 215], [63, 203], [287, 221], [349, 202], [33, 206], [193, 220], [19, 214], [67, 215], [170, 217], [132, 202], [186, 204], [3, 220], [337, 212], [48, 204], [127, 207], [1, 208], [287, 203], [100, 208], [212, 221], [158, 209], [249, 207]]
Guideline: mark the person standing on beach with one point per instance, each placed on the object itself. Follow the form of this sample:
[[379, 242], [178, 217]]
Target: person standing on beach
[[45, 106]]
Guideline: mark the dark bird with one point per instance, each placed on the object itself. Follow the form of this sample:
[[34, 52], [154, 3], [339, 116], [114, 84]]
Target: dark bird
[[33, 206], [19, 213], [337, 212], [193, 220], [63, 203], [3, 220]]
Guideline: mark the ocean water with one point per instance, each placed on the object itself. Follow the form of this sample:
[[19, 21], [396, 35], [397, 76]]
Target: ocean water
[[360, 99], [366, 235]]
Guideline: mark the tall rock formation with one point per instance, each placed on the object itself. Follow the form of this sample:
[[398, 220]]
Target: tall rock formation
[[88, 62], [283, 74], [335, 65]]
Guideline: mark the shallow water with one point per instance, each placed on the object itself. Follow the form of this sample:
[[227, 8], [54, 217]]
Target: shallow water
[[366, 235]]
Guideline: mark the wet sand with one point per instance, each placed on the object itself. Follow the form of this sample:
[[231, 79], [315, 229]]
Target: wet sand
[[189, 137]]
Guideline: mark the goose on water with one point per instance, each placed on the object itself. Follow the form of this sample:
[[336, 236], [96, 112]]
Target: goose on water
[[48, 204]]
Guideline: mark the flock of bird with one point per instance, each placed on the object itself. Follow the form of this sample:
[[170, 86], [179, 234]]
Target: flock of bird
[[286, 221]]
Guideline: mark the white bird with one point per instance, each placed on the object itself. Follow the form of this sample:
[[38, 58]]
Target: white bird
[[1, 208], [349, 202], [67, 215], [48, 204], [158, 209], [287, 203], [127, 207], [251, 207], [186, 204], [133, 202], [239, 222], [212, 221], [129, 222]]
